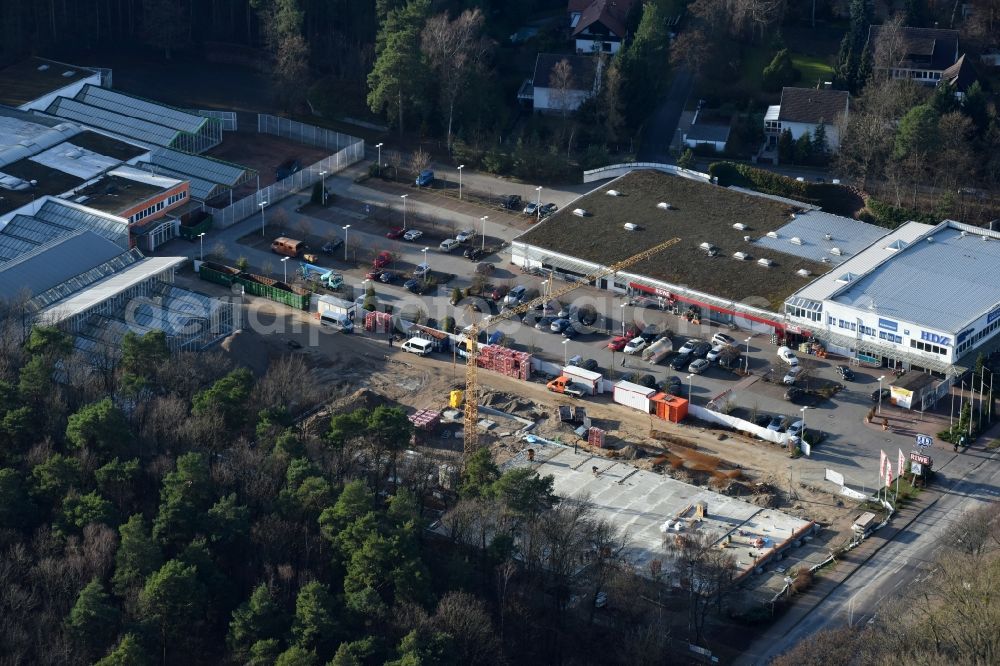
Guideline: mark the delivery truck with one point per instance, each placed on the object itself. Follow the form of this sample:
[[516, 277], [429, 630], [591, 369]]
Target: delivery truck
[[658, 351], [587, 380]]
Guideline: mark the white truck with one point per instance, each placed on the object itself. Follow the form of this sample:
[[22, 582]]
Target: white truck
[[658, 351], [586, 380]]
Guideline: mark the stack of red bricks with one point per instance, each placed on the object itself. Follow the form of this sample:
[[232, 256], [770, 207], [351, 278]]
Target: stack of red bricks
[[505, 361], [378, 322]]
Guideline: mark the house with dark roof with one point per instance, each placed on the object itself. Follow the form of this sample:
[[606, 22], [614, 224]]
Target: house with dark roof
[[708, 130], [545, 91], [802, 110], [924, 53], [959, 77], [599, 25]]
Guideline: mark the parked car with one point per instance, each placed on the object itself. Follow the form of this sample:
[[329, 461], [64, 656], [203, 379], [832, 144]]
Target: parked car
[[762, 420], [330, 246], [425, 178], [635, 345], [465, 235], [689, 346], [414, 285], [448, 244], [412, 234], [473, 253], [590, 364], [795, 431], [388, 277], [498, 293], [531, 209], [788, 356], [547, 210], [681, 361], [791, 376], [717, 350], [775, 424], [701, 350], [885, 393], [485, 268], [510, 202], [567, 311], [631, 331], [723, 339], [560, 325], [800, 397], [382, 259], [618, 343], [373, 274], [651, 332], [698, 366], [395, 232], [544, 323], [515, 295], [570, 331], [421, 270], [672, 385], [846, 373]]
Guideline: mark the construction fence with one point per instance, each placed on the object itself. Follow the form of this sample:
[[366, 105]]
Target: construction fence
[[349, 150]]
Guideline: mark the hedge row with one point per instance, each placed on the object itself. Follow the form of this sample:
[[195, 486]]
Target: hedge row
[[835, 199]]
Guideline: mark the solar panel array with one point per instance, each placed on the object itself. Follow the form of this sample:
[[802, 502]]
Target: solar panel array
[[134, 128], [135, 107], [215, 171]]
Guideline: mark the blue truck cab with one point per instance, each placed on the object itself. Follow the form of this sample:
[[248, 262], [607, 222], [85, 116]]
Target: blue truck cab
[[425, 178]]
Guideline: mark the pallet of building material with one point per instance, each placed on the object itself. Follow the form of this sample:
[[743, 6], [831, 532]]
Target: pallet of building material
[[595, 437], [564, 413], [425, 419]]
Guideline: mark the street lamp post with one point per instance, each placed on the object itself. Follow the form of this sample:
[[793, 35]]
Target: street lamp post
[[346, 227], [484, 218], [201, 242], [747, 359], [262, 204], [802, 435], [538, 203], [322, 175], [460, 167], [427, 268], [379, 146], [284, 269], [564, 343], [880, 394], [689, 378], [624, 305], [403, 197]]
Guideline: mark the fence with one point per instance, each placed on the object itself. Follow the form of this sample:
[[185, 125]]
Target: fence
[[738, 424], [226, 118], [615, 170], [352, 150]]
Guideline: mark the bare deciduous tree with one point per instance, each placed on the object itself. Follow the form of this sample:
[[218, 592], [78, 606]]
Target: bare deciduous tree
[[419, 160], [890, 47], [561, 83]]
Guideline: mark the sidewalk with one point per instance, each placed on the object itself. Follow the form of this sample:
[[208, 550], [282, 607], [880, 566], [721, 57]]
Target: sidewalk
[[846, 566]]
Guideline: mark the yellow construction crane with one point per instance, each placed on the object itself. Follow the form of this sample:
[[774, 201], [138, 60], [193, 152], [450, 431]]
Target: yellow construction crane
[[472, 333]]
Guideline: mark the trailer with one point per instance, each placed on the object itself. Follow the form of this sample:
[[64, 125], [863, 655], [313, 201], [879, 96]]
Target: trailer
[[330, 305], [586, 380], [634, 396], [328, 277], [658, 351]]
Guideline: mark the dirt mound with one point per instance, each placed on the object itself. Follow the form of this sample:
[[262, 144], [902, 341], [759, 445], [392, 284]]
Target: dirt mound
[[510, 403], [359, 399], [248, 349]]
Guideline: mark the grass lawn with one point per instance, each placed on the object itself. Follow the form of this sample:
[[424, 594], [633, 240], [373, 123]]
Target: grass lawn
[[812, 68]]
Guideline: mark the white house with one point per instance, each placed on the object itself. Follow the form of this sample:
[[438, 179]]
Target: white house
[[802, 110], [925, 53], [548, 96], [599, 25]]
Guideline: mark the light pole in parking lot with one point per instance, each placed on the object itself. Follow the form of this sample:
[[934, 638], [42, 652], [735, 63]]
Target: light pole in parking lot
[[403, 197], [460, 167], [880, 394], [538, 204], [379, 146], [201, 243], [689, 378], [802, 435], [284, 269], [427, 268], [262, 204], [747, 359], [483, 219], [346, 227], [564, 343], [322, 175], [624, 305]]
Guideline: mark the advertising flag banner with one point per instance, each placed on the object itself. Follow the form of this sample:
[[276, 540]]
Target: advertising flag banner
[[881, 465], [888, 473], [902, 463]]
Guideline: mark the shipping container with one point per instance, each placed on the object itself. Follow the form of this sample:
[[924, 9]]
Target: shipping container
[[669, 407], [634, 396], [194, 223], [586, 380]]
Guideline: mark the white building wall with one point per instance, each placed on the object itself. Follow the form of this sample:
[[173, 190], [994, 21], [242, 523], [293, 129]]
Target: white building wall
[[798, 129], [877, 325], [586, 45], [544, 99], [72, 89]]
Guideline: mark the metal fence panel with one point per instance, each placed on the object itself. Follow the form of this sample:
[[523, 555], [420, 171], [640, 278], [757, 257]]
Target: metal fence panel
[[227, 119]]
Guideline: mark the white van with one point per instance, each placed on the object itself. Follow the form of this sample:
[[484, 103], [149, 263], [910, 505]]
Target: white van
[[418, 346], [449, 244], [788, 356], [339, 321]]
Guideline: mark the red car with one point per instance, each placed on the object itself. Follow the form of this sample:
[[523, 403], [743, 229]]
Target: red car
[[374, 274], [498, 293], [618, 343], [383, 259], [395, 232], [631, 331]]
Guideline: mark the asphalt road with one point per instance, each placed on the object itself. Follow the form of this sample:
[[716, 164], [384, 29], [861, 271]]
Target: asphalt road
[[662, 124], [969, 481]]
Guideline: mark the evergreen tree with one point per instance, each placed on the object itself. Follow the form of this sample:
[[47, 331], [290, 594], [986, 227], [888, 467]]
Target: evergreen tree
[[185, 496], [297, 656], [52, 479], [16, 510], [258, 618], [803, 149], [975, 106], [644, 65], [786, 146], [315, 626], [917, 132], [524, 492], [820, 145], [228, 397], [78, 511], [779, 72], [93, 620], [128, 652], [99, 427], [397, 78], [137, 557], [849, 58], [172, 603], [686, 160]]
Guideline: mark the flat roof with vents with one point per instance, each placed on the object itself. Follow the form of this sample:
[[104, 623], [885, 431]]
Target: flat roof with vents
[[699, 211], [29, 79], [806, 236]]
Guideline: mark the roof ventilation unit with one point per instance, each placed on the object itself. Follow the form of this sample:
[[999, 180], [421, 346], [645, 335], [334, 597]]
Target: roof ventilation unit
[[930, 239], [663, 205], [742, 256], [985, 237], [631, 227], [827, 237], [847, 277], [81, 199], [825, 260], [739, 226], [766, 263], [795, 240], [746, 238], [802, 272], [613, 193], [707, 247], [837, 251], [42, 67], [579, 212], [772, 234], [68, 74], [963, 234]]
